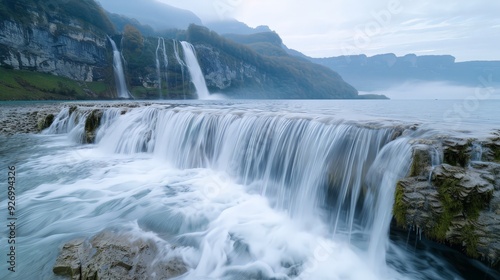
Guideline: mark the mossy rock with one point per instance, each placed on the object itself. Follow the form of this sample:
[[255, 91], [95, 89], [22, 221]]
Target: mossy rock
[[91, 124], [400, 206], [457, 152], [421, 161], [46, 122]]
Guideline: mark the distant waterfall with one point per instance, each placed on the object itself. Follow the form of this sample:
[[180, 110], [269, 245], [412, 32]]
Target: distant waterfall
[[180, 62], [121, 86], [161, 46], [197, 77]]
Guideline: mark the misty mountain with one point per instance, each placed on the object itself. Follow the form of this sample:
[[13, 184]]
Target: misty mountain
[[66, 42], [388, 70], [235, 27], [153, 13]]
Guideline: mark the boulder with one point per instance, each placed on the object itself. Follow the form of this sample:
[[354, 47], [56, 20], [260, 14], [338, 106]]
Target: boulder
[[110, 255]]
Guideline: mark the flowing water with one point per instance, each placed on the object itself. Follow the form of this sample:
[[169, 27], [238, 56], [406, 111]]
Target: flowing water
[[180, 62], [161, 46], [120, 82], [195, 72], [259, 190]]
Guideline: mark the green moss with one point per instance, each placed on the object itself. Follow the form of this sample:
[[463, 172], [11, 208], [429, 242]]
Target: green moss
[[470, 240], [448, 194], [400, 206], [45, 122], [91, 124], [417, 164], [470, 207]]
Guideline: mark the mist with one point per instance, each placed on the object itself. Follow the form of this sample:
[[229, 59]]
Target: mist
[[438, 90], [151, 12]]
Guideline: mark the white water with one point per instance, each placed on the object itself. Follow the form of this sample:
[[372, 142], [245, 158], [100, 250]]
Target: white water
[[158, 70], [195, 72], [161, 46], [121, 85], [180, 62], [241, 193]]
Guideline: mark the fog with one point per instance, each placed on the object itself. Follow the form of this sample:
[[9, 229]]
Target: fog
[[439, 90], [151, 12]]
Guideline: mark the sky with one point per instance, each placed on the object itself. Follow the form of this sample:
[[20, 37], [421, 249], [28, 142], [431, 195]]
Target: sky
[[468, 30]]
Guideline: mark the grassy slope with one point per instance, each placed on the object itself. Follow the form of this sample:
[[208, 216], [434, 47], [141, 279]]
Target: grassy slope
[[28, 85]]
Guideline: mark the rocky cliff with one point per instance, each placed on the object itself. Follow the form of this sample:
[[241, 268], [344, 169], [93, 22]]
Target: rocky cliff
[[74, 52], [452, 194]]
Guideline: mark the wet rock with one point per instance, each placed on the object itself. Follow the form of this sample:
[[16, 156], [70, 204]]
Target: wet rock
[[421, 161], [457, 151], [91, 124], [458, 204], [110, 255], [491, 150], [45, 122]]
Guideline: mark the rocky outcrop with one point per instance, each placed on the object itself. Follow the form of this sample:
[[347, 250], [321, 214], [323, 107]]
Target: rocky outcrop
[[68, 51], [455, 198], [223, 73], [18, 118], [91, 124], [111, 255]]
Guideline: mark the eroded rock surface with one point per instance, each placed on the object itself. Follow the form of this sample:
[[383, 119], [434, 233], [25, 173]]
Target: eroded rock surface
[[455, 199], [110, 255]]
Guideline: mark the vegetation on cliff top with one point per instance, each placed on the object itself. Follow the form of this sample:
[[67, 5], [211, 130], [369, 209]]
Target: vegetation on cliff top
[[88, 12]]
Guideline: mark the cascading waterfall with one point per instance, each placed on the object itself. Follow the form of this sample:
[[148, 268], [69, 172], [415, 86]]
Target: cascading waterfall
[[181, 64], [165, 61], [274, 155], [195, 72], [161, 46], [121, 85], [243, 194], [158, 70]]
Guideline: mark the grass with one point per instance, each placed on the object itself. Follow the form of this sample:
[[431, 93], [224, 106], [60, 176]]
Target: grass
[[29, 85]]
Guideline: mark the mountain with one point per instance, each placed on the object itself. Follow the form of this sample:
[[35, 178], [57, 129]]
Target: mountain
[[388, 70], [280, 76], [156, 14], [60, 49], [235, 27]]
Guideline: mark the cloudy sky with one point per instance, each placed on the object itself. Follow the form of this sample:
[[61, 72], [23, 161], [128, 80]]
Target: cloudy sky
[[469, 30]]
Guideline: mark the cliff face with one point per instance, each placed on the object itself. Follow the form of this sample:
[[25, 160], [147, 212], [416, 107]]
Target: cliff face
[[67, 51], [223, 73], [453, 195]]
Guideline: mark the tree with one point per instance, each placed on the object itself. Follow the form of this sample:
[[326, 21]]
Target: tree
[[133, 40]]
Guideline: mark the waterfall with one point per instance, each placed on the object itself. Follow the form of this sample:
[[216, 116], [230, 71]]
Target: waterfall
[[121, 85], [161, 46], [158, 71], [303, 166], [250, 193], [165, 62], [181, 64], [193, 66]]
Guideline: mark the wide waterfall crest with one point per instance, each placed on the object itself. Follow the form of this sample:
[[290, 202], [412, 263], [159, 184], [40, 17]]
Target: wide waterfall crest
[[302, 165], [121, 85], [197, 77]]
